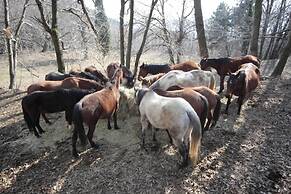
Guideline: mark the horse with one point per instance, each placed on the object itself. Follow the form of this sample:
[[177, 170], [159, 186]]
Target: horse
[[41, 102], [153, 69], [214, 105], [99, 105], [149, 80], [185, 79], [242, 83], [70, 82], [127, 77], [146, 69], [92, 69], [57, 76], [174, 114], [224, 66], [198, 102], [185, 66]]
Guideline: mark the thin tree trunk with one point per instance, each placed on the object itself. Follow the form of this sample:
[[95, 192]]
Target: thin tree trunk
[[121, 31], [139, 53], [200, 29], [130, 32], [246, 37], [181, 32], [265, 25], [285, 54], [253, 50], [9, 46]]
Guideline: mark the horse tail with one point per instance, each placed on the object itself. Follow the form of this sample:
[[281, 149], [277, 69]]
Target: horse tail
[[196, 135], [204, 113], [216, 112], [78, 123], [212, 82]]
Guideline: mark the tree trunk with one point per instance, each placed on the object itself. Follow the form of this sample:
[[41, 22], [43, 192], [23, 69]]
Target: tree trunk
[[246, 36], [9, 46], [139, 53], [121, 31], [55, 38], [181, 32], [253, 50], [101, 22], [130, 32], [200, 29], [285, 54], [265, 25], [275, 29]]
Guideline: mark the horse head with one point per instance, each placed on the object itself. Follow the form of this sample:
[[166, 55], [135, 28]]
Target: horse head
[[142, 71], [235, 82], [203, 63]]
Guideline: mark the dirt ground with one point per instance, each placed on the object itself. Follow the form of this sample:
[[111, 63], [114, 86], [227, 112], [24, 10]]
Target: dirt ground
[[242, 154]]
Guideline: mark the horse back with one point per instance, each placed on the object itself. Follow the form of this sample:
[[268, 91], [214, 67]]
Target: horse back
[[185, 66]]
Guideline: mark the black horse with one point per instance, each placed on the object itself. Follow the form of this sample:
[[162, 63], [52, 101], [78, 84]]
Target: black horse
[[153, 69], [50, 102]]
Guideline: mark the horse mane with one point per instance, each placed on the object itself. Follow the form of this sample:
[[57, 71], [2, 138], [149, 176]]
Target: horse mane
[[140, 94]]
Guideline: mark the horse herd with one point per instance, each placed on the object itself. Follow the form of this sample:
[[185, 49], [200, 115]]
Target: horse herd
[[180, 98]]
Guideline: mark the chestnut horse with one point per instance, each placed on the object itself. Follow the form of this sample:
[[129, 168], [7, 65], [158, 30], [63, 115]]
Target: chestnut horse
[[146, 69], [174, 114], [224, 66], [92, 69], [127, 76], [242, 83], [149, 80], [198, 102], [99, 105], [185, 79], [41, 102]]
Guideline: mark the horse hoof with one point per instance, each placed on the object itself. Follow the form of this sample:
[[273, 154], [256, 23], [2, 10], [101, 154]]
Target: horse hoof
[[109, 128], [116, 127]]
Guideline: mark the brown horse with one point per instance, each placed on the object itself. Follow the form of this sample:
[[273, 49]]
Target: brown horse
[[99, 105], [214, 105], [127, 76], [92, 69], [225, 66], [195, 99], [154, 69], [242, 83], [70, 82]]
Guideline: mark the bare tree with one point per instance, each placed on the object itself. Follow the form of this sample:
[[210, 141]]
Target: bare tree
[[121, 31], [139, 53], [285, 54], [253, 49], [12, 40], [53, 31], [130, 32], [200, 29]]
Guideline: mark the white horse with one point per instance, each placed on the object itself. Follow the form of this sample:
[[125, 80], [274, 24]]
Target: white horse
[[185, 79], [174, 114]]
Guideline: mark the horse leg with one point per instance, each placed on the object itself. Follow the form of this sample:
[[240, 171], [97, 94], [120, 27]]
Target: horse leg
[[228, 103], [170, 137], [38, 125], [90, 136], [144, 125], [108, 123], [46, 119], [115, 119], [221, 84], [183, 150], [240, 102], [68, 115], [209, 119], [74, 141], [154, 130]]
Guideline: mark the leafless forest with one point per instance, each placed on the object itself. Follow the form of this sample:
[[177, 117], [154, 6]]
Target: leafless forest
[[246, 153]]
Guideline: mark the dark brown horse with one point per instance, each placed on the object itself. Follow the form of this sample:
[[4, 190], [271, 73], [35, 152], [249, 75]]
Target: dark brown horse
[[242, 83], [127, 76], [70, 82], [41, 102], [99, 105], [146, 69], [198, 102], [57, 76], [92, 69], [225, 66]]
